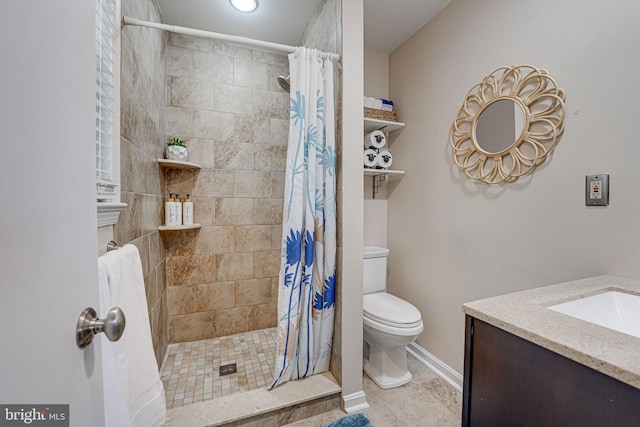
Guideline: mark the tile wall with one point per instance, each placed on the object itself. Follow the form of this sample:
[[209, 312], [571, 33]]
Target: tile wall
[[224, 101], [142, 139]]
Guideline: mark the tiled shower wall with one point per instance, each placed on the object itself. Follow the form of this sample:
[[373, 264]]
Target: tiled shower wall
[[142, 140], [224, 101]]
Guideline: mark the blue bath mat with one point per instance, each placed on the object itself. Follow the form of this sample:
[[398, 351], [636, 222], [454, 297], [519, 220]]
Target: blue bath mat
[[353, 420]]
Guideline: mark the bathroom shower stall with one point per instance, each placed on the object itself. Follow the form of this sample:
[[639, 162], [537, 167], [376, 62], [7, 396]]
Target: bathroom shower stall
[[212, 292], [222, 280]]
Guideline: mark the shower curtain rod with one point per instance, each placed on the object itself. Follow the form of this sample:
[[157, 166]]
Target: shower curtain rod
[[127, 20]]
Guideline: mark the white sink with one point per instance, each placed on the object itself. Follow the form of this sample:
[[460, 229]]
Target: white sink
[[614, 310]]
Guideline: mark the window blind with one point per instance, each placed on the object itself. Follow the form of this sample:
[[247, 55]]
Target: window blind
[[105, 98]]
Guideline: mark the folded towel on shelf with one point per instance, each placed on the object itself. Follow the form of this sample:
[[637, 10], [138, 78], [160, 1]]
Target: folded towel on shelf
[[133, 392], [371, 102], [369, 158], [375, 139], [384, 159], [378, 104]]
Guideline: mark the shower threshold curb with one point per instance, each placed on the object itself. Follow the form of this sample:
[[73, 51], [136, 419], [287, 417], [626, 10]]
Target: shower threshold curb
[[242, 406]]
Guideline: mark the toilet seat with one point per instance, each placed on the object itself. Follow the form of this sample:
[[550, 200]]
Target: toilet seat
[[387, 309]]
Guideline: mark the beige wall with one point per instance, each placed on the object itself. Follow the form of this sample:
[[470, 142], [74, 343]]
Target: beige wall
[[375, 220], [376, 84], [453, 240], [350, 197], [225, 102], [141, 144], [376, 74]]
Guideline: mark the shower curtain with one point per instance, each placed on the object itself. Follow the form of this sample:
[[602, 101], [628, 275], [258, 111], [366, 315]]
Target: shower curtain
[[306, 296]]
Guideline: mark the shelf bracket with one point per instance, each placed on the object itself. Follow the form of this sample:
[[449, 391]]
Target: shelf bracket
[[377, 183]]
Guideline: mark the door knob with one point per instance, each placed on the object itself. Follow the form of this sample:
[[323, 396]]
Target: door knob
[[89, 325]]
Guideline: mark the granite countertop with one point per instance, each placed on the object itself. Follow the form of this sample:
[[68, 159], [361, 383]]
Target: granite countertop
[[525, 315]]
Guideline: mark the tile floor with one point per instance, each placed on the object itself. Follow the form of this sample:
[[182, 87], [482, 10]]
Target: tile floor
[[190, 372], [426, 401]]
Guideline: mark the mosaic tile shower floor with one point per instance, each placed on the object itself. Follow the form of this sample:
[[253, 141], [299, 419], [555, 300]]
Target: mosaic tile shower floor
[[190, 372]]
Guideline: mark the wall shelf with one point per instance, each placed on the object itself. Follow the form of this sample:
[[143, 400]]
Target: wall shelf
[[179, 227], [383, 172], [177, 164], [383, 125], [381, 175]]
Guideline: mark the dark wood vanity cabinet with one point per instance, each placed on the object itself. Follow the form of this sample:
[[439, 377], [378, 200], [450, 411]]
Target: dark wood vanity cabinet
[[509, 381]]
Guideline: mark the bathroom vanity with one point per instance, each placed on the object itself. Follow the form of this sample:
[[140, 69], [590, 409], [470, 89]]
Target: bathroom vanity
[[528, 365]]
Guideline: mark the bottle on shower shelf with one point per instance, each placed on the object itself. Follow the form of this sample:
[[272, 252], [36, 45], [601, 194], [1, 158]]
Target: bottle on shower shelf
[[178, 205], [187, 211], [170, 212]]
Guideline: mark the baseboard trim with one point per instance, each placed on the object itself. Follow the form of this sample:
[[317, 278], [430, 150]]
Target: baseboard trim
[[443, 370], [354, 402]]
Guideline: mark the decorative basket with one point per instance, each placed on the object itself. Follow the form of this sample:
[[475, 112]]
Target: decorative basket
[[372, 113]]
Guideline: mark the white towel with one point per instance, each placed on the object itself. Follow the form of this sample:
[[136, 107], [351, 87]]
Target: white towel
[[384, 159], [375, 139], [133, 392], [371, 102]]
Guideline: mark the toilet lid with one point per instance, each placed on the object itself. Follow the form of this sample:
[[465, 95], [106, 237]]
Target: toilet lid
[[390, 310]]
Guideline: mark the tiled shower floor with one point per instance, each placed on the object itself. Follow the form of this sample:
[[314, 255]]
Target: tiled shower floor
[[190, 372]]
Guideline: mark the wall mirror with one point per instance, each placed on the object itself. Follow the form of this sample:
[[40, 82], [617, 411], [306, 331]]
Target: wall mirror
[[508, 124]]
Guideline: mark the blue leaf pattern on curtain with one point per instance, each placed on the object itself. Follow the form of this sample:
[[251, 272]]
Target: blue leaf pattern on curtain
[[327, 298], [306, 296]]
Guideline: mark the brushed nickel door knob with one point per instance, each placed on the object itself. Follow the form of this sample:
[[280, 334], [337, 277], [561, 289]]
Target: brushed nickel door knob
[[89, 325]]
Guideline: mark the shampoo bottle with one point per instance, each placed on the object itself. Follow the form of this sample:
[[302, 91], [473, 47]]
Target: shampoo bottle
[[178, 205], [170, 212], [187, 211]]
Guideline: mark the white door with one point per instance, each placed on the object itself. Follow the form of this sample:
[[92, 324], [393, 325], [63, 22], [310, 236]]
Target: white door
[[48, 243]]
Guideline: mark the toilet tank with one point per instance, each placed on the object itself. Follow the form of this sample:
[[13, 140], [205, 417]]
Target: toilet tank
[[375, 269]]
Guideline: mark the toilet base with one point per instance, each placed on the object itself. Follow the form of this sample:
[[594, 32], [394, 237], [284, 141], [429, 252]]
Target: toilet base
[[387, 366]]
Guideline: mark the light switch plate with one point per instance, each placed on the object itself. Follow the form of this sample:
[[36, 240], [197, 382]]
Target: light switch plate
[[597, 190]]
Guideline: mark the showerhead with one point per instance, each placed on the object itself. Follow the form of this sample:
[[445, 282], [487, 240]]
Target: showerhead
[[284, 82]]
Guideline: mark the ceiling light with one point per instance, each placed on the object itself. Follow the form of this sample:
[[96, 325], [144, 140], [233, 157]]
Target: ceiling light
[[245, 5]]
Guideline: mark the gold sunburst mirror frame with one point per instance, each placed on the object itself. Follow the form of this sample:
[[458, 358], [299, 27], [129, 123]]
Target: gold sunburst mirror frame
[[537, 114]]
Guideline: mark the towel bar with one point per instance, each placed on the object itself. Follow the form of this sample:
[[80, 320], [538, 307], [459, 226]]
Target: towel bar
[[112, 246]]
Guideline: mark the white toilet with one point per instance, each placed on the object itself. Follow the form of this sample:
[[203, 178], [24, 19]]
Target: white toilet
[[390, 323]]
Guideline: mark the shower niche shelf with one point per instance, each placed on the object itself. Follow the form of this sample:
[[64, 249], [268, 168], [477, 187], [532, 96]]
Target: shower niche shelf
[[177, 164], [187, 166], [381, 175], [179, 227]]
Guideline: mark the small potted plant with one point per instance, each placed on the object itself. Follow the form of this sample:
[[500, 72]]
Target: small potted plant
[[176, 149]]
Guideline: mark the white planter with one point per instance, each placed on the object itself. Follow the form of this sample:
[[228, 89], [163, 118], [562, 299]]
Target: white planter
[[176, 152]]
